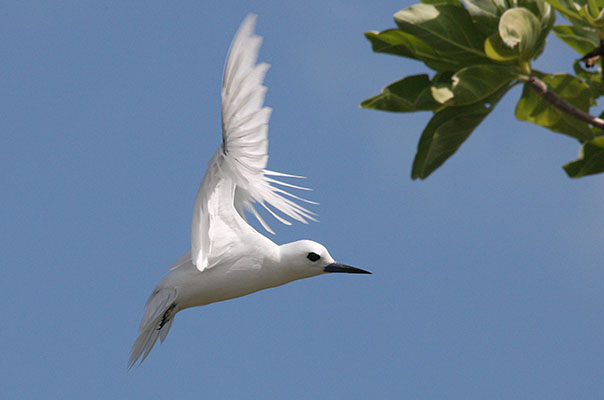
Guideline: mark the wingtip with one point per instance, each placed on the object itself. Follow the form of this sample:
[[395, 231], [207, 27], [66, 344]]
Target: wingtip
[[248, 25], [242, 70], [249, 20]]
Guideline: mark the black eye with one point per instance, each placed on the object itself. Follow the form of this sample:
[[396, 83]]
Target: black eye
[[313, 256]]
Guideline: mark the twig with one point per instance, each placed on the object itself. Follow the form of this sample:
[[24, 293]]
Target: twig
[[541, 88], [593, 56]]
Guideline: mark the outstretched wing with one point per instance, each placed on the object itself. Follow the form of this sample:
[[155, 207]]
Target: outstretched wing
[[241, 159]]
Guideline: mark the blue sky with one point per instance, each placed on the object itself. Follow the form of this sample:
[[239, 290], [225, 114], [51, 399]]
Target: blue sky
[[487, 279]]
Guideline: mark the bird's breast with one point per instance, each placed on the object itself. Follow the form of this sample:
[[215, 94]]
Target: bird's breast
[[224, 282]]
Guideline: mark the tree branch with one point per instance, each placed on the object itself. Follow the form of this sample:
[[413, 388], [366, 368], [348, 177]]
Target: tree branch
[[542, 90]]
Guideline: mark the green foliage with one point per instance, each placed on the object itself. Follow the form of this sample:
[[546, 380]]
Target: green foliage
[[519, 29], [532, 108], [446, 28], [473, 84], [409, 94], [397, 42], [478, 50], [587, 13], [582, 39], [590, 161], [486, 13], [446, 131]]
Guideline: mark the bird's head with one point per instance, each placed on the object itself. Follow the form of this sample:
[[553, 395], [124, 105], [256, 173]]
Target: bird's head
[[311, 258]]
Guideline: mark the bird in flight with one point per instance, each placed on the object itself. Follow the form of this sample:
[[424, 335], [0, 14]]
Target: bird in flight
[[228, 257]]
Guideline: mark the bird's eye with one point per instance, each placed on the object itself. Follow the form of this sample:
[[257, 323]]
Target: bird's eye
[[313, 256]]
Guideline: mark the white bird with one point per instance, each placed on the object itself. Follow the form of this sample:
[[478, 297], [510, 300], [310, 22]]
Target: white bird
[[229, 258]]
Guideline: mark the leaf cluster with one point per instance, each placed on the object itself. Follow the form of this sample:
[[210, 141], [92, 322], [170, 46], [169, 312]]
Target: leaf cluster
[[477, 51]]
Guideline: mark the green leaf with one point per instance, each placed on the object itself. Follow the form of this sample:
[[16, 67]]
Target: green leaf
[[584, 13], [520, 30], [446, 131], [568, 10], [475, 83], [592, 13], [521, 33], [393, 41], [595, 7], [496, 50], [533, 108], [452, 2], [407, 95], [590, 161], [446, 28], [539, 8], [582, 40], [545, 15], [486, 13], [397, 42]]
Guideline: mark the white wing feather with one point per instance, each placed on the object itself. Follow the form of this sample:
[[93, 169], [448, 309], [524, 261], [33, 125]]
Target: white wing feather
[[241, 159]]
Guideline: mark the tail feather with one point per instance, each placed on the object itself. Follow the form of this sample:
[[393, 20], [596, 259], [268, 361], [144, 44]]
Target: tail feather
[[163, 332], [160, 312]]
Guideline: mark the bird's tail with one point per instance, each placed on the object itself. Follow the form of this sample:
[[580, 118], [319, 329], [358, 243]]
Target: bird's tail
[[159, 314]]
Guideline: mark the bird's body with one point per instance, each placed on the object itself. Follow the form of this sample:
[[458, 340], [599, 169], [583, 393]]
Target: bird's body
[[228, 257], [248, 273]]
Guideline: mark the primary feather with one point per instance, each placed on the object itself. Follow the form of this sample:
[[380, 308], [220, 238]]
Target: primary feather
[[241, 159]]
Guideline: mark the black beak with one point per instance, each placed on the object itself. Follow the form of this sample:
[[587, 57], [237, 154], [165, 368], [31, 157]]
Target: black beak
[[337, 267]]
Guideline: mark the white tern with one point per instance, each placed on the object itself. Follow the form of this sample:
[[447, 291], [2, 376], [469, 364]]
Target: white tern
[[228, 257]]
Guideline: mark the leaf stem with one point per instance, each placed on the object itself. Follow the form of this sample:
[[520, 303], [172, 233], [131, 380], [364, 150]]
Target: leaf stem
[[542, 90]]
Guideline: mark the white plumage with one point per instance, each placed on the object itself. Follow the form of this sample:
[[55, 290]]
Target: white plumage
[[242, 158], [229, 258]]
